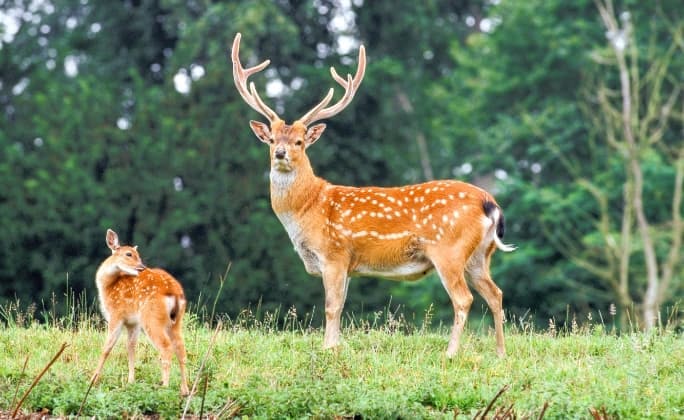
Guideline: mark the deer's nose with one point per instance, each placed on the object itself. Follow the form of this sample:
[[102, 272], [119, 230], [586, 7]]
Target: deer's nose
[[280, 153]]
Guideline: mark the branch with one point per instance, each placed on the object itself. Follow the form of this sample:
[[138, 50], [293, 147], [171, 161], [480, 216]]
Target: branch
[[610, 114], [657, 134], [626, 237], [629, 80], [604, 217], [568, 249], [37, 378], [676, 29], [655, 77], [677, 227]]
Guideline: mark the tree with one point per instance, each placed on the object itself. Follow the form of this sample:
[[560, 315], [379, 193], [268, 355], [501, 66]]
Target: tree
[[636, 120], [124, 115]]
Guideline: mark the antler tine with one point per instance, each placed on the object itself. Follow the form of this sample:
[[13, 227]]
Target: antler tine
[[306, 119], [261, 103], [350, 86], [240, 75]]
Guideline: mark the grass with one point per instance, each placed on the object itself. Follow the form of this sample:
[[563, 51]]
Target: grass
[[384, 369]]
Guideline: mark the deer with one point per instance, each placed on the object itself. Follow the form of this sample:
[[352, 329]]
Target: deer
[[137, 297], [399, 233]]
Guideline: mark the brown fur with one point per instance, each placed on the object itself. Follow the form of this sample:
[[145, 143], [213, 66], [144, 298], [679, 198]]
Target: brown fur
[[400, 233], [136, 297]]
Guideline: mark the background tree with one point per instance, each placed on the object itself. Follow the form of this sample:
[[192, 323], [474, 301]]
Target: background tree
[[124, 115], [636, 120]]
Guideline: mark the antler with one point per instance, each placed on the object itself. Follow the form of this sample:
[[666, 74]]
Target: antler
[[319, 112], [240, 75]]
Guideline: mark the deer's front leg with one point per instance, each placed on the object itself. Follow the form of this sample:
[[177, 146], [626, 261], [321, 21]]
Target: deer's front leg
[[114, 328], [335, 282]]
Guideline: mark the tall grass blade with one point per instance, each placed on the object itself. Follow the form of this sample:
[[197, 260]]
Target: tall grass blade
[[37, 378]]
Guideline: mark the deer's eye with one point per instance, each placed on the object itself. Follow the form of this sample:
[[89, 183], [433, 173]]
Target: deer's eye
[[298, 143], [129, 254], [271, 140]]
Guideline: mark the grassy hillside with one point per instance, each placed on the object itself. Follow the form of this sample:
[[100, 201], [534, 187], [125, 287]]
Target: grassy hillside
[[384, 369]]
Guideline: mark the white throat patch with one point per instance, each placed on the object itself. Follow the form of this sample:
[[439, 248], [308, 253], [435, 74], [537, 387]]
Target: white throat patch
[[282, 181]]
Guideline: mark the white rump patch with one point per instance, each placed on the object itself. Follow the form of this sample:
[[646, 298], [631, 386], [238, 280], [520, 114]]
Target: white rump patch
[[170, 302]]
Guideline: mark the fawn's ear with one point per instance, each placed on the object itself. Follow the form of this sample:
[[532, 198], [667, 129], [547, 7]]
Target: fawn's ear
[[262, 131], [112, 240], [313, 134]]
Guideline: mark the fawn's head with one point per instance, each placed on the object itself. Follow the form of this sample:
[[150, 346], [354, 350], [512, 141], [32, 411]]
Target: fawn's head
[[124, 259], [288, 142]]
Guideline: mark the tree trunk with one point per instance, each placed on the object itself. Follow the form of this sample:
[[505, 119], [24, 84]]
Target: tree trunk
[[423, 152]]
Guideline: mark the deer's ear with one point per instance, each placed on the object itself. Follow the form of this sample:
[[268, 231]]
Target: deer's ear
[[262, 131], [313, 134], [112, 240]]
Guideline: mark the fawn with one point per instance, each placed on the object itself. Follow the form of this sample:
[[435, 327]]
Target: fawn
[[134, 296], [401, 233]]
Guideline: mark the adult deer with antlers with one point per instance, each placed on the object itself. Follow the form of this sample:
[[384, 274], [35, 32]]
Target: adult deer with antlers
[[400, 233]]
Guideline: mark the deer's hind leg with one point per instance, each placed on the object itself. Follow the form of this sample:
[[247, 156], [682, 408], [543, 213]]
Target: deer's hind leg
[[156, 325], [133, 333], [481, 279], [450, 263], [176, 335]]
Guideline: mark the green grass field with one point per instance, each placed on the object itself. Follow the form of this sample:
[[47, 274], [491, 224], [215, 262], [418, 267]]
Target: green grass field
[[383, 369]]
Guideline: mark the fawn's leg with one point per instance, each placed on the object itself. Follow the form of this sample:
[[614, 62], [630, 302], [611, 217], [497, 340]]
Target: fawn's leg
[[155, 326], [114, 328], [133, 332], [176, 334]]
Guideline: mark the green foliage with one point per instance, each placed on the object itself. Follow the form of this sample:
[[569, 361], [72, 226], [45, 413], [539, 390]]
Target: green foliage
[[182, 176]]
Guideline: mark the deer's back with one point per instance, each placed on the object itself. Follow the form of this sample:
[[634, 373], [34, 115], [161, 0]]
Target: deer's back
[[152, 290]]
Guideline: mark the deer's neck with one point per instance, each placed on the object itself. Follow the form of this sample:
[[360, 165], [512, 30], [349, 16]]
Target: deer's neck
[[105, 276], [293, 193]]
